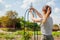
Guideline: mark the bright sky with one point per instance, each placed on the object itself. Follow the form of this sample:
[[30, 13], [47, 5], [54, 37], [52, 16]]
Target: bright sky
[[21, 5]]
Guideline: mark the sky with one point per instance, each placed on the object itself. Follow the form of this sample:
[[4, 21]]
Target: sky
[[20, 6]]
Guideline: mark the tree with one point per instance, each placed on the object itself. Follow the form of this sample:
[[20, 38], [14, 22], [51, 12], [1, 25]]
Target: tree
[[55, 27], [4, 21], [12, 16]]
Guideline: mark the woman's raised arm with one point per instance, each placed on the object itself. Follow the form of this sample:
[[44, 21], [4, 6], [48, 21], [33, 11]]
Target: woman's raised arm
[[38, 13]]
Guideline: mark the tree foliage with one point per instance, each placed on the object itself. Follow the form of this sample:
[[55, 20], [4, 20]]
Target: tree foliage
[[11, 20]]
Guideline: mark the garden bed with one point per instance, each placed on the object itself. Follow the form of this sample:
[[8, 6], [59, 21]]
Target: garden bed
[[17, 35]]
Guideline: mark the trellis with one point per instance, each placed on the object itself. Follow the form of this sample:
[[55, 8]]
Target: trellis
[[27, 15]]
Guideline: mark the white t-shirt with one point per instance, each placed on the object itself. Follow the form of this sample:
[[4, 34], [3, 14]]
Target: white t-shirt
[[46, 29]]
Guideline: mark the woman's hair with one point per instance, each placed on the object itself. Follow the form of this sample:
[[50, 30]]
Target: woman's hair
[[45, 9]]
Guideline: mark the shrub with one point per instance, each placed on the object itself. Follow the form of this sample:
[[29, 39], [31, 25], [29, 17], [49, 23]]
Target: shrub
[[18, 32], [57, 34], [27, 36], [9, 36]]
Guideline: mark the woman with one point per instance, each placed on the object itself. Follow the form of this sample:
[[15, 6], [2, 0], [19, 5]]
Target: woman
[[45, 20]]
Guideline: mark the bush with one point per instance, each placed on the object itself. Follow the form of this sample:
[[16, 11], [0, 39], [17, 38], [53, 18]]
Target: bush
[[9, 36], [57, 34], [27, 36], [18, 32]]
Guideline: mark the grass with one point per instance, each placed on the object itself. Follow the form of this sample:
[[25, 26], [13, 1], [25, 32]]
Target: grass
[[56, 34], [21, 32]]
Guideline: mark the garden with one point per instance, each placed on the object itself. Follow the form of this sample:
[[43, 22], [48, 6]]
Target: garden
[[13, 27], [19, 35]]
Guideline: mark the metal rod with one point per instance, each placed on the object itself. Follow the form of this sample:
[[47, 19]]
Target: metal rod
[[27, 15], [24, 22]]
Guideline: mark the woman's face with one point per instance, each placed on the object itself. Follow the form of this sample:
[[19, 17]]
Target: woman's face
[[45, 9], [44, 12]]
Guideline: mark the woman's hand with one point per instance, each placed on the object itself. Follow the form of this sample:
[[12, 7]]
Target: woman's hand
[[32, 8]]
